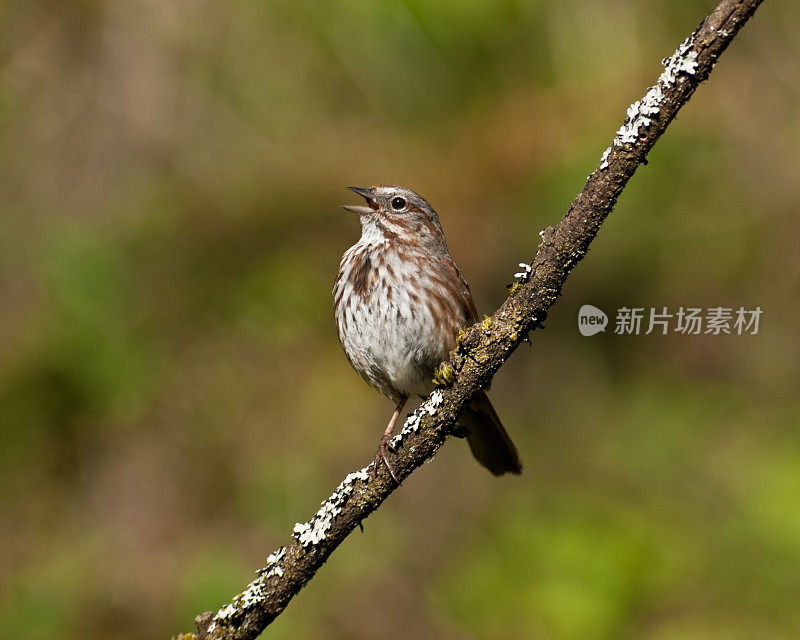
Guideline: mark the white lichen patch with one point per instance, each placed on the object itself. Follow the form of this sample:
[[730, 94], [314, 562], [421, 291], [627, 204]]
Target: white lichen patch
[[604, 159], [254, 593], [316, 529], [273, 567], [683, 61], [641, 113], [436, 399], [524, 275], [411, 424]]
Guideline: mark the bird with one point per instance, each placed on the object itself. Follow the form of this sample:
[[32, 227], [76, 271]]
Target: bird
[[399, 301]]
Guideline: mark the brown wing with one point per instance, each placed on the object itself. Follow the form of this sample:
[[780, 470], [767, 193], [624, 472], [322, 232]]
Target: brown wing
[[465, 297], [450, 280]]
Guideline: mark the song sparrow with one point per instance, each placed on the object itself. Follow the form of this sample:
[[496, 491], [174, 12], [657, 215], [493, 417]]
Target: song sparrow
[[399, 301]]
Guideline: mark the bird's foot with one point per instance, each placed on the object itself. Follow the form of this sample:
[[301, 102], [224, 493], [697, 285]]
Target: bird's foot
[[382, 456]]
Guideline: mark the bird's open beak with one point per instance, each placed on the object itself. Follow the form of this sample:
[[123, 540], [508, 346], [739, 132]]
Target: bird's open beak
[[368, 195]]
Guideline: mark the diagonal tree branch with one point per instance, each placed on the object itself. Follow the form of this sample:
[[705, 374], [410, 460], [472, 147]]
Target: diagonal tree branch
[[483, 349]]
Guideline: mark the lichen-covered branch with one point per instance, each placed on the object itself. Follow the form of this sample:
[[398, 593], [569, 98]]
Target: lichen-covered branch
[[482, 349]]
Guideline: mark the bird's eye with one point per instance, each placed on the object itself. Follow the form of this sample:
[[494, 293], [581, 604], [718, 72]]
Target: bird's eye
[[398, 203]]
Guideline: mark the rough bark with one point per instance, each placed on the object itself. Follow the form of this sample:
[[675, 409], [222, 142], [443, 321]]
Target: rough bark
[[483, 348]]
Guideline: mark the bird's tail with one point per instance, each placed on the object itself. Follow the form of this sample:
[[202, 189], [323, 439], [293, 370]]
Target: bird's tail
[[488, 440]]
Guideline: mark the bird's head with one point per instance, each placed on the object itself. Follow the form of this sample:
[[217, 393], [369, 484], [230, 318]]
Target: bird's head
[[396, 213]]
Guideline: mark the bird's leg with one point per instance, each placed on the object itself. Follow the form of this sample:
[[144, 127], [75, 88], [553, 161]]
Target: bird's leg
[[386, 438]]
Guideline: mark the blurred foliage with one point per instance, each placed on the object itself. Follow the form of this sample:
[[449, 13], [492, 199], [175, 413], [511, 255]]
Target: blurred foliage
[[172, 394]]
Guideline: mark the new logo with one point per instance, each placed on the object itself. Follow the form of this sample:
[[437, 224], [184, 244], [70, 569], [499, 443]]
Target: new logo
[[591, 320]]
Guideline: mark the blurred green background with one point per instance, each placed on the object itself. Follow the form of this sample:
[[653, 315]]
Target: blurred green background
[[172, 393]]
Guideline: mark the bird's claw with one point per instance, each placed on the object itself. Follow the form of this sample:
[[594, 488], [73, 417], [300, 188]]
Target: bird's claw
[[381, 456]]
